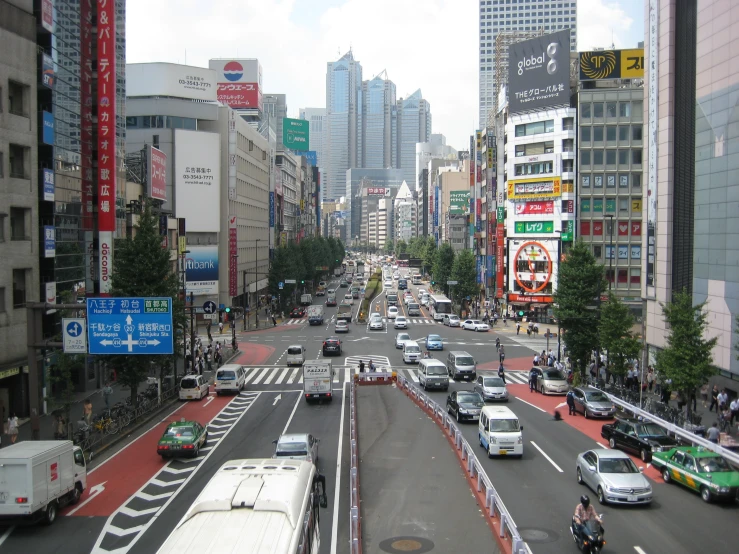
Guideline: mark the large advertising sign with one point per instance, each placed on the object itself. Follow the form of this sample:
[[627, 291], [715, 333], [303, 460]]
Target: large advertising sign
[[47, 15], [295, 134], [612, 64], [49, 188], [239, 82], [233, 257], [86, 143], [652, 118], [459, 201], [170, 79], [48, 76], [534, 188], [198, 179], [201, 269], [539, 72], [312, 157], [271, 209], [532, 266], [107, 150], [48, 128], [535, 208], [534, 227], [49, 241], [378, 191], [499, 259], [157, 174]]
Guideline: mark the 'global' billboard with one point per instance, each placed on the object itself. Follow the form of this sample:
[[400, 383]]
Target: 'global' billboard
[[201, 270], [539, 72], [239, 82]]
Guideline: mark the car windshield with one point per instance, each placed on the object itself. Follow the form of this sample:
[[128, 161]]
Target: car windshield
[[404, 336], [436, 370], [650, 430], [553, 374], [469, 398], [504, 425], [229, 375], [401, 319], [596, 397], [434, 338], [179, 432], [412, 349], [617, 465], [294, 350], [465, 360], [341, 323], [713, 465], [189, 384], [475, 322], [291, 449], [493, 382]]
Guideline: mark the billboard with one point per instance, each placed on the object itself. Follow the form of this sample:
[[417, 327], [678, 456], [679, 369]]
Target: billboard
[[49, 241], [295, 134], [612, 64], [378, 191], [535, 208], [239, 82], [201, 269], [312, 157], [170, 79], [534, 227], [47, 15], [271, 209], [197, 179], [48, 77], [233, 257], [459, 201], [532, 269], [49, 189], [157, 177], [534, 188], [539, 72], [48, 128]]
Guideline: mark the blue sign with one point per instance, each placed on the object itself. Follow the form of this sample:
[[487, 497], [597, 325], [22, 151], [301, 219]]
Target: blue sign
[[436, 206], [271, 209], [48, 133], [209, 307], [479, 269], [312, 157], [49, 241], [130, 325], [49, 185], [74, 329], [47, 71], [280, 285], [201, 267]]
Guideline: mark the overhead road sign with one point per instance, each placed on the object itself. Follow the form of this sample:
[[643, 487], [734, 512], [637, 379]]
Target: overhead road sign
[[452, 282], [290, 281], [75, 338], [130, 325]]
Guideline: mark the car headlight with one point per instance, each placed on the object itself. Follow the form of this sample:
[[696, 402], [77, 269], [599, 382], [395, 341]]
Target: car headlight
[[724, 489], [610, 488], [493, 440], [520, 439], [462, 411]]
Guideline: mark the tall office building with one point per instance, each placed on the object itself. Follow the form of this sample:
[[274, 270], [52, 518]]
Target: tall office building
[[275, 110], [379, 123], [414, 126], [316, 131], [507, 15], [343, 124]]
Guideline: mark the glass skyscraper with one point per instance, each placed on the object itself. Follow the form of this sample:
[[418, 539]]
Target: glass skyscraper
[[414, 126], [379, 118]]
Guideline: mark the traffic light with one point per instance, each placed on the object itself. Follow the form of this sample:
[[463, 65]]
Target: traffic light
[[520, 314], [433, 282], [228, 310], [302, 281]]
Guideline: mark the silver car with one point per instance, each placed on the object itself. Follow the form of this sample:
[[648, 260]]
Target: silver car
[[452, 320], [614, 477], [593, 403], [491, 388], [375, 323], [400, 339], [297, 446]]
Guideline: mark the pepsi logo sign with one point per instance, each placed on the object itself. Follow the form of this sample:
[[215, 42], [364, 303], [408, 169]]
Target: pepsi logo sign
[[233, 71]]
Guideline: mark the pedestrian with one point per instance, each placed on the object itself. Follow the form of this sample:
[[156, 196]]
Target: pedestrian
[[501, 354], [107, 393], [723, 400], [628, 379], [361, 366], [713, 434], [497, 344], [734, 406], [571, 402], [536, 360], [704, 393], [650, 383], [220, 327], [533, 376], [603, 374], [518, 327], [13, 428], [536, 329], [87, 411], [274, 321], [372, 367], [501, 372], [59, 427]]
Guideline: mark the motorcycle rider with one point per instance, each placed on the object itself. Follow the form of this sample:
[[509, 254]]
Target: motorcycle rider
[[584, 512]]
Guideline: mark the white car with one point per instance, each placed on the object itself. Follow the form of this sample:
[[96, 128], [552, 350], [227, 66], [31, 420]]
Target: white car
[[396, 276], [407, 299], [421, 292], [341, 326], [388, 283], [348, 299], [392, 312], [376, 323], [475, 325], [452, 320], [400, 339], [401, 322]]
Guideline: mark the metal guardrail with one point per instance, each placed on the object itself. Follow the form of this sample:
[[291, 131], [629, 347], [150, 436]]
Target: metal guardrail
[[674, 429], [355, 520], [493, 503]]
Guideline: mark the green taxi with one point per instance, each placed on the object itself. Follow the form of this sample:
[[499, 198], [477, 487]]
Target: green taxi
[[699, 469], [182, 438]]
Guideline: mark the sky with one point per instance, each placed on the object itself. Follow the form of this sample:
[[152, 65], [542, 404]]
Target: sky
[[426, 44]]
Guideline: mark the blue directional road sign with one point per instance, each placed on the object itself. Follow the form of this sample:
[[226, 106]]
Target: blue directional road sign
[[280, 285], [130, 325], [209, 307]]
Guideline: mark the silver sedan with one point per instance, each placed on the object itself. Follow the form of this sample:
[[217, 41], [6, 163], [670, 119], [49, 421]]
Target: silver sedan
[[614, 477], [297, 446]]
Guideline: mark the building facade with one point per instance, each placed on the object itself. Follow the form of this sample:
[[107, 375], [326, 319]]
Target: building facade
[[379, 123], [275, 110], [414, 126], [356, 179], [316, 134], [404, 214]]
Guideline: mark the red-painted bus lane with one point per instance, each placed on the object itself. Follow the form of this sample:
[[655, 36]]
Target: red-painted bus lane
[[110, 485]]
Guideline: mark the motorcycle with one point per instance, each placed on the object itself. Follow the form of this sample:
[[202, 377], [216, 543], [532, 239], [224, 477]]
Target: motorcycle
[[591, 539]]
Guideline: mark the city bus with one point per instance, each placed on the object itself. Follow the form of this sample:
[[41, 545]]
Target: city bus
[[439, 306], [417, 279], [254, 505]]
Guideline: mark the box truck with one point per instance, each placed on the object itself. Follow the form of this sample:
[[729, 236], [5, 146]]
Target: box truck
[[317, 379], [315, 315]]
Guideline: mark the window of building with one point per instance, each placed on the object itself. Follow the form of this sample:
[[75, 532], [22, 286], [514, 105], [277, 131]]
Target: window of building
[[611, 181], [636, 131], [609, 272], [2, 227], [585, 228], [598, 181], [19, 287], [597, 134], [585, 110], [610, 157], [611, 133], [568, 124], [623, 204], [636, 181], [635, 276], [636, 157], [623, 276], [2, 164], [20, 224], [623, 181], [132, 122], [535, 149], [568, 165], [155, 141], [610, 208], [623, 133], [535, 128], [637, 111], [585, 157], [597, 251], [610, 109], [584, 206], [3, 309], [534, 168], [624, 109], [586, 181], [585, 134], [598, 110], [597, 157], [19, 157], [623, 157], [18, 98]]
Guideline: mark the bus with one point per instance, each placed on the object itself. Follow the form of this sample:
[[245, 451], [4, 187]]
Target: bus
[[417, 279], [439, 306], [254, 505]]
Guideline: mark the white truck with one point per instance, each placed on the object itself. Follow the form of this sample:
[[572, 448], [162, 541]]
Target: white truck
[[317, 378], [39, 477], [306, 299], [315, 315]]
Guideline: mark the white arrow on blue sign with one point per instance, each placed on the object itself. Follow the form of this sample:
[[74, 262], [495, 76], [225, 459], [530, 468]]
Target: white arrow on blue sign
[[209, 307], [280, 285], [75, 340]]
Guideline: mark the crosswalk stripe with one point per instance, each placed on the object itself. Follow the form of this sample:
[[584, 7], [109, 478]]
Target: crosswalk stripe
[[271, 375], [260, 376], [282, 376], [251, 376], [293, 374]]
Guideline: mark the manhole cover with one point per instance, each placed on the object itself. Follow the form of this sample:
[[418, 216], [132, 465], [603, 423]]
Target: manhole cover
[[401, 545], [533, 534]]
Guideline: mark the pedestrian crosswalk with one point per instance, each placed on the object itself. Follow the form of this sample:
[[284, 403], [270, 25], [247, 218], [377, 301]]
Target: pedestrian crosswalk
[[269, 377], [386, 321]]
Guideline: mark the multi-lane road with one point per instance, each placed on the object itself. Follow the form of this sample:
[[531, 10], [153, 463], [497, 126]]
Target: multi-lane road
[[134, 499]]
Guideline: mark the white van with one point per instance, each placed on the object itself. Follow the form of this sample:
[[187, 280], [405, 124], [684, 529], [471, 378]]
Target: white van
[[295, 354], [411, 352], [499, 432], [432, 374], [193, 387], [230, 379]]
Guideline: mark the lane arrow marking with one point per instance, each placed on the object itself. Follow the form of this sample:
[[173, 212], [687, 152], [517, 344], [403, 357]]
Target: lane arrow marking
[[94, 491], [210, 399], [277, 399]]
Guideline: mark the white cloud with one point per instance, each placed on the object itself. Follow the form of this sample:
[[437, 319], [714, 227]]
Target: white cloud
[[601, 23]]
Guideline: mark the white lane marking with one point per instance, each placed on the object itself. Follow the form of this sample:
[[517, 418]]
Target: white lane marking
[[546, 456], [10, 530], [337, 484], [282, 376], [269, 378], [300, 397], [210, 399], [530, 404], [260, 376], [94, 492], [251, 375], [601, 445], [639, 550]]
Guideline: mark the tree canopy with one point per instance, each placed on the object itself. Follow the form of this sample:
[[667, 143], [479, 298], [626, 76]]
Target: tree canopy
[[616, 336], [464, 271]]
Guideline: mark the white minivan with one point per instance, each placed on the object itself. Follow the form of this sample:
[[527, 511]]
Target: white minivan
[[230, 379], [295, 355], [499, 432], [432, 374], [193, 387], [411, 352]]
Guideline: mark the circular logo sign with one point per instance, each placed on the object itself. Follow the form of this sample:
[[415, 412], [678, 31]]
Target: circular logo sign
[[533, 267], [233, 71]]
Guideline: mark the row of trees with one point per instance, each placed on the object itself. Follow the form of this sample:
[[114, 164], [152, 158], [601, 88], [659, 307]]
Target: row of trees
[[587, 321]]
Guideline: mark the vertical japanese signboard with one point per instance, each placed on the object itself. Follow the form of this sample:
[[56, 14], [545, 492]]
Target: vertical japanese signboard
[[233, 257], [49, 190], [157, 174], [653, 115], [106, 106], [49, 241], [47, 15], [499, 252], [86, 138]]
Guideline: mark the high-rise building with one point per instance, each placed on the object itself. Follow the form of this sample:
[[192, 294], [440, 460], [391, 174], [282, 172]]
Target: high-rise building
[[414, 126], [404, 214], [275, 110], [316, 131], [497, 16], [342, 147], [356, 179], [379, 123]]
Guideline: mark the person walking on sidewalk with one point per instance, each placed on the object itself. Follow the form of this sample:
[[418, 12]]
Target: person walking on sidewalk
[[501, 373], [87, 411], [497, 344], [107, 392], [571, 403], [518, 327], [533, 376], [13, 428], [220, 327], [501, 354]]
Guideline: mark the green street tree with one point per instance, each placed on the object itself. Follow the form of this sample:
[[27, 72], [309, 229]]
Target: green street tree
[[389, 245], [142, 268], [401, 247], [464, 271], [428, 254], [579, 285], [616, 335], [687, 359], [442, 268]]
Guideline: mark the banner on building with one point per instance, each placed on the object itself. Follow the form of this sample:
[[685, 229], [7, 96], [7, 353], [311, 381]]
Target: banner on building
[[534, 227], [535, 208], [50, 295], [49, 189], [48, 76], [459, 201], [48, 128], [239, 82], [612, 64], [201, 270], [49, 241], [271, 209], [47, 15], [296, 134], [197, 177], [499, 259], [157, 177], [534, 188], [233, 257]]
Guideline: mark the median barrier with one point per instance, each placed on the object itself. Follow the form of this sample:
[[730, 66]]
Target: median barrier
[[499, 519], [355, 520], [376, 378]]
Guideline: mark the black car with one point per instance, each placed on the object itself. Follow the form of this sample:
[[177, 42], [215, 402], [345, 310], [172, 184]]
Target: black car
[[332, 345], [297, 312], [343, 284], [464, 405], [640, 437], [402, 284]]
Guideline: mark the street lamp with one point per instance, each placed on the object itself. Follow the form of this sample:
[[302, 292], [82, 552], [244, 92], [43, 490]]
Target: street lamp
[[612, 252]]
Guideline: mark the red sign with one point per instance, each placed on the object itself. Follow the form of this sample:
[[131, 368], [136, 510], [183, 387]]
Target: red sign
[[233, 257], [623, 228], [530, 208], [568, 206], [53, 471], [86, 115], [240, 95], [597, 228], [378, 191], [585, 228], [47, 15], [636, 228], [158, 174], [499, 261], [531, 299]]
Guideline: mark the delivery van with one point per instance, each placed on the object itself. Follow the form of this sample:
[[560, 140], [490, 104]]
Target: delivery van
[[500, 432], [295, 354], [317, 380], [432, 374], [230, 379]]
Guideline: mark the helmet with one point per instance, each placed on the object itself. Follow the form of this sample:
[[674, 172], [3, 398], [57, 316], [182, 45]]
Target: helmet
[[585, 500]]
